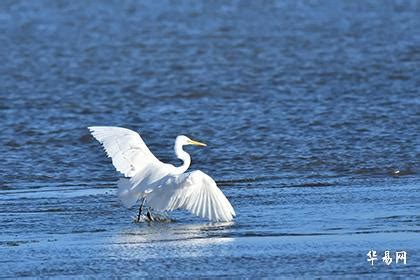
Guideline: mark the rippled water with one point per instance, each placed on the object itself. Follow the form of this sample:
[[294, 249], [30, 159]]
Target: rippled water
[[310, 109]]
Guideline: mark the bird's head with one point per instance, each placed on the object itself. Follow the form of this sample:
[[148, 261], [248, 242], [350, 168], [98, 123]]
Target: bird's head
[[182, 140]]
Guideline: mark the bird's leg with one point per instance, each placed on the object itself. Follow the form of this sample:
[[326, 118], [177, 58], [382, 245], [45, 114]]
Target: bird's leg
[[140, 209], [149, 214]]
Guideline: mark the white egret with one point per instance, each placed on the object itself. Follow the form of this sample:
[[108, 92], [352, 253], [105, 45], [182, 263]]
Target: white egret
[[160, 185]]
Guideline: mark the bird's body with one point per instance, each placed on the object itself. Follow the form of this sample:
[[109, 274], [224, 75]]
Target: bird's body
[[163, 186]]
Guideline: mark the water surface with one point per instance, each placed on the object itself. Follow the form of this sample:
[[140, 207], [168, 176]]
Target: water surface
[[310, 110]]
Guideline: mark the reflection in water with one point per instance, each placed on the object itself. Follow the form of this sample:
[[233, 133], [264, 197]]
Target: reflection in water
[[180, 240], [152, 232]]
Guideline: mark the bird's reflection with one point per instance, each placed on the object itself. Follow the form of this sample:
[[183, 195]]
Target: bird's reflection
[[191, 233]]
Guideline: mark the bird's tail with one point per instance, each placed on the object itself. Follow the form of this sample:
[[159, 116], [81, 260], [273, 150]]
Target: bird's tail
[[127, 193]]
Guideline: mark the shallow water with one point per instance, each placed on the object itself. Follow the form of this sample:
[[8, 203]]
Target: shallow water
[[310, 110]]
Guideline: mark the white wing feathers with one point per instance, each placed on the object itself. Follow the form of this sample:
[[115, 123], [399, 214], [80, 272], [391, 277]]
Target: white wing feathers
[[126, 148], [196, 192]]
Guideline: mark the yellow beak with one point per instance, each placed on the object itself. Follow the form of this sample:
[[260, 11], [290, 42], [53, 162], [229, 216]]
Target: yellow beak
[[196, 143]]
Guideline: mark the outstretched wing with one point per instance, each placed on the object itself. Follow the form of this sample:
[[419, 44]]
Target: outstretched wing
[[196, 192], [129, 153]]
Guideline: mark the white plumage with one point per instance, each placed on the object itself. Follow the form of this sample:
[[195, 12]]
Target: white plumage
[[194, 191], [164, 186]]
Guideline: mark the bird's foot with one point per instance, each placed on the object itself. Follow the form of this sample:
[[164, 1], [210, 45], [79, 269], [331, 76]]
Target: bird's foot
[[149, 215], [141, 218], [161, 217]]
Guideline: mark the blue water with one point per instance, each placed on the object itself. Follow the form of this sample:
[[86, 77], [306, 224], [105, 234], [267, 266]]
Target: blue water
[[310, 109]]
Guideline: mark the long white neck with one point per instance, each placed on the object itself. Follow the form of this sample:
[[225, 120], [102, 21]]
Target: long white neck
[[184, 156]]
